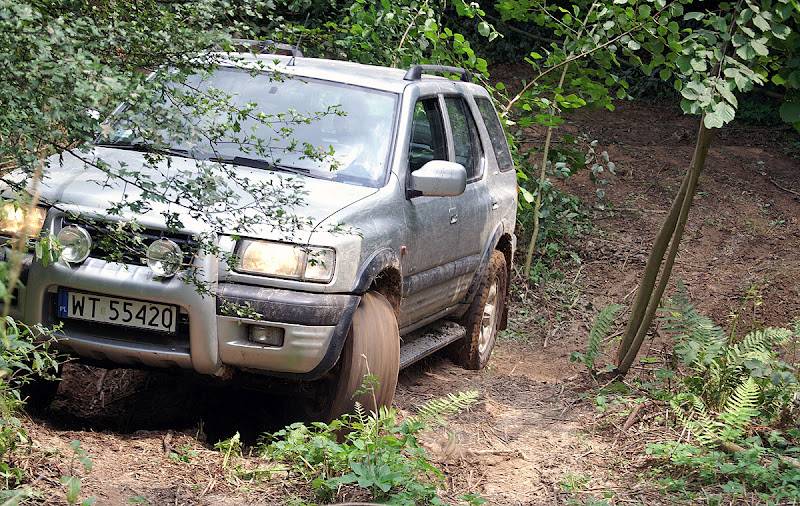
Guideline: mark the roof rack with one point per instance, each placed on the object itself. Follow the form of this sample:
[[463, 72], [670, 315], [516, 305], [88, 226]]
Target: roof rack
[[415, 72], [269, 47]]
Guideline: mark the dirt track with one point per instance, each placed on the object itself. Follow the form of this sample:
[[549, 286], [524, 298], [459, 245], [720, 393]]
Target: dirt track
[[534, 436]]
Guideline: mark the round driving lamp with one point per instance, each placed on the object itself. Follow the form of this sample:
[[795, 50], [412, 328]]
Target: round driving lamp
[[75, 244], [164, 258]]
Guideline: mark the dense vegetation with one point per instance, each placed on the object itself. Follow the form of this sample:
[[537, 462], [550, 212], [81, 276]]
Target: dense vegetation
[[68, 63]]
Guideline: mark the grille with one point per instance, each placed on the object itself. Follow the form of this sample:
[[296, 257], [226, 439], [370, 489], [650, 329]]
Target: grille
[[108, 245]]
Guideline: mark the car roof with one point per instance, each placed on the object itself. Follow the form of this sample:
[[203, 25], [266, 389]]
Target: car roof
[[370, 76]]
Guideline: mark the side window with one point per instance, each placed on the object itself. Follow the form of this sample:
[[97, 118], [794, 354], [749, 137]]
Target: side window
[[466, 143], [496, 133], [427, 134]]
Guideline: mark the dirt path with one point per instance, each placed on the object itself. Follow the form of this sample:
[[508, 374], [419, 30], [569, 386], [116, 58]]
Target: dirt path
[[536, 436]]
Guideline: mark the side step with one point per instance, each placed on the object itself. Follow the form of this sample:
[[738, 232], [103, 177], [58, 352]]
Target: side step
[[421, 343]]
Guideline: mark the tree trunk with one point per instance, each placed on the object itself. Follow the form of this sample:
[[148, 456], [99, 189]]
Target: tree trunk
[[537, 204], [649, 295]]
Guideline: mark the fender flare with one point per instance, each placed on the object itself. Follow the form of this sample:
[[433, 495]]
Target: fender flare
[[379, 261]]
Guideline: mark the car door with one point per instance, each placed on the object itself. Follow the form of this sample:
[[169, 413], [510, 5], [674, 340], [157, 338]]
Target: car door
[[470, 209], [501, 178], [429, 255]]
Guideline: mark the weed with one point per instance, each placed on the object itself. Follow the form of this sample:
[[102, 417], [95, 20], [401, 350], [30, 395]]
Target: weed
[[736, 402], [376, 452]]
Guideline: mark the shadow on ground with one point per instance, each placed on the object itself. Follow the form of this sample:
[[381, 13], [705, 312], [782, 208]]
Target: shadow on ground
[[130, 400]]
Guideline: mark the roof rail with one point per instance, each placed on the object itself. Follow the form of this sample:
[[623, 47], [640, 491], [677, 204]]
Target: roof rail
[[269, 47], [415, 72]]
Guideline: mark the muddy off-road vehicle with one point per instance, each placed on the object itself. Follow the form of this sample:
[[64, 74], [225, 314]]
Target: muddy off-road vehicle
[[424, 178]]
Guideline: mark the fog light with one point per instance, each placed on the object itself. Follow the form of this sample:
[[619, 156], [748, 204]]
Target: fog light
[[164, 258], [75, 244], [267, 336]]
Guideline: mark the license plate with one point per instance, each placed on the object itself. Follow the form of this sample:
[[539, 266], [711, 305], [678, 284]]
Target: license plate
[[117, 311]]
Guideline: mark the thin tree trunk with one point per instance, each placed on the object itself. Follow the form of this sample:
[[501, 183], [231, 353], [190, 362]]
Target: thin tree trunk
[[537, 204], [651, 270], [648, 299]]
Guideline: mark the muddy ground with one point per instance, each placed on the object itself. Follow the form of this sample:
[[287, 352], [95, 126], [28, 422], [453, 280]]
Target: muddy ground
[[535, 437]]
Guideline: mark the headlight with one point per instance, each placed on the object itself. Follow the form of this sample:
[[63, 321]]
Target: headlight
[[164, 257], [284, 260], [15, 220], [75, 244]]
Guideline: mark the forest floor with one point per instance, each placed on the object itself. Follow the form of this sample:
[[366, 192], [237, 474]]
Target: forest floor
[[537, 435]]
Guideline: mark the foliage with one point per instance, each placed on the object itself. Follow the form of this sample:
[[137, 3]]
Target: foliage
[[600, 330], [731, 383], [734, 396], [378, 452]]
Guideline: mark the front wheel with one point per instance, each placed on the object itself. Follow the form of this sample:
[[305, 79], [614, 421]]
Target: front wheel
[[372, 349], [483, 317]]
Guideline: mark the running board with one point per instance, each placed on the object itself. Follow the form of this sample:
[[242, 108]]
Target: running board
[[421, 343]]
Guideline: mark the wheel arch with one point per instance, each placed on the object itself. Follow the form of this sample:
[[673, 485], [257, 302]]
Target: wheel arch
[[381, 273], [504, 242]]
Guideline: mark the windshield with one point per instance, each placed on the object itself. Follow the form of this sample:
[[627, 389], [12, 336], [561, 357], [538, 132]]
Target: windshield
[[319, 128]]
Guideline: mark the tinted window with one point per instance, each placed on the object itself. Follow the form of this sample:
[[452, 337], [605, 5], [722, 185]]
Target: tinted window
[[466, 142], [427, 134], [496, 133]]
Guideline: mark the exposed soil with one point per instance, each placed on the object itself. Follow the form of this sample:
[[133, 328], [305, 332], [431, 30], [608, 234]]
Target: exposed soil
[[535, 437]]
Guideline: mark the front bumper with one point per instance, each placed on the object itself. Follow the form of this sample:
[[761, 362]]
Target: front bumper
[[314, 325]]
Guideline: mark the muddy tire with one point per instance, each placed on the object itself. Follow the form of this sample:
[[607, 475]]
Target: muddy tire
[[372, 347], [483, 317]]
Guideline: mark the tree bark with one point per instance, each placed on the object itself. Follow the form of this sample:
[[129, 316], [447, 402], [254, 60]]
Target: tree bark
[[649, 294]]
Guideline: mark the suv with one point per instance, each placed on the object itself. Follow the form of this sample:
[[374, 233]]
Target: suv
[[425, 179]]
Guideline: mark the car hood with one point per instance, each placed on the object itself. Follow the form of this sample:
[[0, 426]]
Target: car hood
[[74, 182]]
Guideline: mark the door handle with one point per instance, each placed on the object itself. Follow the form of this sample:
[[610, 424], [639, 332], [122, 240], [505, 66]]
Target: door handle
[[453, 215]]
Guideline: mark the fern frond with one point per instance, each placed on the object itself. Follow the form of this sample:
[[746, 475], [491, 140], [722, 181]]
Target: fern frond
[[452, 404], [693, 414], [698, 340], [742, 405], [759, 342], [600, 330]]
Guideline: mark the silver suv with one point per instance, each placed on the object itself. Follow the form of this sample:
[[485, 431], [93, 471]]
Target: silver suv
[[425, 184]]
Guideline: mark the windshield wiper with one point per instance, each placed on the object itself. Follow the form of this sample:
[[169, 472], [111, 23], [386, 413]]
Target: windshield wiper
[[259, 163], [143, 147]]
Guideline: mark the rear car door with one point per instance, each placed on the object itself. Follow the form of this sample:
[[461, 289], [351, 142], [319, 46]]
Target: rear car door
[[471, 207], [501, 178]]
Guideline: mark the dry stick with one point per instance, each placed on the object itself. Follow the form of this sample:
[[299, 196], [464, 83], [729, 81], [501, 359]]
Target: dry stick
[[651, 271], [704, 138]]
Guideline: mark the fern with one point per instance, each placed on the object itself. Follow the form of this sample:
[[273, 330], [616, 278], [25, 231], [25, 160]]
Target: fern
[[437, 409], [742, 407], [600, 330], [729, 384]]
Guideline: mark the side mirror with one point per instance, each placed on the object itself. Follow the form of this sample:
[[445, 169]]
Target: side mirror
[[438, 178]]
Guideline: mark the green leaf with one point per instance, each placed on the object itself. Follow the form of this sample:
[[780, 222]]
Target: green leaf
[[759, 47], [484, 28], [781, 31], [722, 114], [694, 16], [761, 23], [790, 112]]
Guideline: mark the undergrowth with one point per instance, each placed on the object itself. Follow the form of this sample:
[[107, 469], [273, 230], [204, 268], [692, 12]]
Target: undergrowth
[[374, 456], [733, 402]]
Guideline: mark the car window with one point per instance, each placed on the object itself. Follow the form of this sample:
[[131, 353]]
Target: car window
[[466, 142], [330, 130], [496, 133], [427, 134]]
